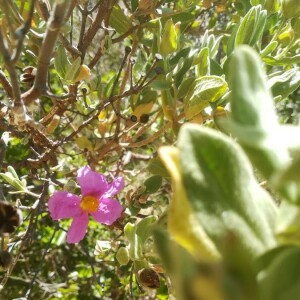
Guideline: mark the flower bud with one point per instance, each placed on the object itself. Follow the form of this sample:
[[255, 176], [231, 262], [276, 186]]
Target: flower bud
[[84, 73]]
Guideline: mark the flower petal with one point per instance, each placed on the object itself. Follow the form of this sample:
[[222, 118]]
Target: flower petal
[[91, 183], [108, 211], [63, 205], [78, 228], [115, 187]]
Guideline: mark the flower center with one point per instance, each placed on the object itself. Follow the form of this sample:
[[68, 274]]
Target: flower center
[[89, 204]]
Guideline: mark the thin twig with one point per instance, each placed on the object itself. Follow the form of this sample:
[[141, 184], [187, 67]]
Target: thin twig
[[54, 24], [10, 69], [40, 265], [21, 33]]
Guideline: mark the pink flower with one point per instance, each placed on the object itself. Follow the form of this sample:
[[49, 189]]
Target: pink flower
[[96, 201]]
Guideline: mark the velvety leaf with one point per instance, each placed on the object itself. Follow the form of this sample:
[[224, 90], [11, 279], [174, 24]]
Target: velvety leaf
[[183, 224], [236, 213], [280, 278], [284, 83]]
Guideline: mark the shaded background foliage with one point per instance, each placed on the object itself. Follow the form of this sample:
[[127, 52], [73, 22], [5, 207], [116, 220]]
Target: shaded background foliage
[[114, 83]]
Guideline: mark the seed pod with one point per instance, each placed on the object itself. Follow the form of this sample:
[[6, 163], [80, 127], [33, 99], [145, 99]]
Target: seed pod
[[28, 75], [10, 217], [5, 259], [148, 278], [144, 118], [133, 118]]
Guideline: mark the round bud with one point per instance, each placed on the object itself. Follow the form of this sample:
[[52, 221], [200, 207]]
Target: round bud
[[133, 118], [159, 70], [5, 259], [144, 118], [84, 90], [127, 50]]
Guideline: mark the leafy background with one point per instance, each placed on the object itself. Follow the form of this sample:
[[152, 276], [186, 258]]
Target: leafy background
[[112, 86]]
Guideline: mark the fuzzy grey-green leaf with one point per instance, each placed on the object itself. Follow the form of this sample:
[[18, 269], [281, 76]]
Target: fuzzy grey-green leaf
[[234, 210]]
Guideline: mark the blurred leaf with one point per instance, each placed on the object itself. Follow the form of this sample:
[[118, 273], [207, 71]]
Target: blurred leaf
[[251, 28], [168, 43], [284, 83], [223, 191], [279, 276], [160, 85], [183, 225]]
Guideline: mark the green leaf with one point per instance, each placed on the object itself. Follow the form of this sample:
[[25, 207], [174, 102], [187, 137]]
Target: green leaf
[[203, 62], [137, 234], [252, 103], [251, 28], [156, 167], [61, 62], [118, 20], [205, 90], [282, 61], [168, 43], [253, 119], [144, 227], [185, 87], [279, 277], [9, 178], [73, 70], [269, 49], [153, 184], [284, 83], [122, 256], [161, 85], [237, 214], [135, 245], [11, 170]]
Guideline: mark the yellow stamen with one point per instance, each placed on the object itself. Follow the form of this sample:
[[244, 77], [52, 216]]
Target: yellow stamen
[[89, 204]]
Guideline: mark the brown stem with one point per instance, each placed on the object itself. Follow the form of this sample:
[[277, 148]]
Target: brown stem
[[6, 84], [54, 24], [104, 11], [10, 68]]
